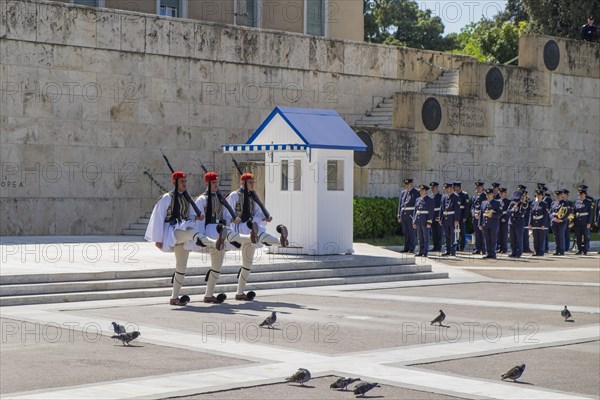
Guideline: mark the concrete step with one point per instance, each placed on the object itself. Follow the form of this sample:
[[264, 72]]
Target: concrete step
[[387, 100], [384, 106], [199, 290], [143, 221], [138, 227], [133, 232], [387, 113], [228, 276], [375, 120]]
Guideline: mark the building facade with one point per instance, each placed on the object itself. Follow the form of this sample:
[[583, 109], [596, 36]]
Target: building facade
[[336, 19]]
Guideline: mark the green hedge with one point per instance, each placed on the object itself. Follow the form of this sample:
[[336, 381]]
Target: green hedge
[[375, 217]]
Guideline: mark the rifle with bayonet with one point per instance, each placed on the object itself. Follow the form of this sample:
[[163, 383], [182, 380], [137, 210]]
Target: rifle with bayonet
[[219, 196], [185, 194]]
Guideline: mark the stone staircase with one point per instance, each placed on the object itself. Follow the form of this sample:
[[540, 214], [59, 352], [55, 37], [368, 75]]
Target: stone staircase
[[445, 84], [380, 115], [139, 227], [294, 272]]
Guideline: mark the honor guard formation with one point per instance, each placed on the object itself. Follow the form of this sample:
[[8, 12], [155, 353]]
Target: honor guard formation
[[212, 224], [498, 221]]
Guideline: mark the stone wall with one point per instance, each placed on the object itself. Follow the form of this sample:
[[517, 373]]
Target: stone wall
[[539, 122], [89, 96]]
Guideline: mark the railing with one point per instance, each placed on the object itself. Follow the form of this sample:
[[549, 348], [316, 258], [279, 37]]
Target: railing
[[149, 175], [435, 66]]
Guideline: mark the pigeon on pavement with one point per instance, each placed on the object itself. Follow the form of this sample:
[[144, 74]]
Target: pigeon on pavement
[[342, 383], [301, 376], [118, 328], [439, 319], [270, 320], [514, 373], [364, 387], [566, 314], [126, 337]]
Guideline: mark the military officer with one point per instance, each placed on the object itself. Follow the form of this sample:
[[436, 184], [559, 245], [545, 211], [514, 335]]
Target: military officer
[[538, 223], [423, 219], [476, 202], [548, 200], [496, 187], [450, 213], [526, 202], [503, 228], [489, 221], [436, 225], [464, 212], [559, 213], [583, 221], [406, 211], [567, 227], [592, 202], [516, 221]]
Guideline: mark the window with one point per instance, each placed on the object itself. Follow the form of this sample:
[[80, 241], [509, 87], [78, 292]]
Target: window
[[315, 17], [284, 175], [247, 12], [297, 175], [169, 8], [89, 3], [335, 175]]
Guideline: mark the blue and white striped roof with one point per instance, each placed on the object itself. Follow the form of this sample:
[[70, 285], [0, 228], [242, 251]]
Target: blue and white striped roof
[[299, 129], [261, 148]]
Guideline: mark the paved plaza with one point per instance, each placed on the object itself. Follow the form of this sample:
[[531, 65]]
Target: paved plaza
[[499, 314]]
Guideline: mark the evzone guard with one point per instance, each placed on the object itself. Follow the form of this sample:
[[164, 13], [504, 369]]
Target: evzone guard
[[172, 224]]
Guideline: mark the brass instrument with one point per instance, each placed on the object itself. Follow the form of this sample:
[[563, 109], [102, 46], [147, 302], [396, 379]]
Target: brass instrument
[[489, 213], [571, 220], [562, 212]]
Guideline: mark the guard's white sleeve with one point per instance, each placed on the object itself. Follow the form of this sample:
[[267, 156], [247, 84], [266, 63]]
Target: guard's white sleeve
[[201, 203], [232, 198], [156, 226]]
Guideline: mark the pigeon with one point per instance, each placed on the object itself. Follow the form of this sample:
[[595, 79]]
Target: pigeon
[[301, 376], [566, 314], [439, 319], [342, 383], [270, 320], [118, 328], [514, 373], [126, 337], [364, 387]]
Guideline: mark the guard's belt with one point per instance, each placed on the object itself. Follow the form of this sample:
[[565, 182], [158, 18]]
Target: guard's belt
[[407, 208], [448, 212], [583, 214], [437, 209], [422, 212], [537, 216]]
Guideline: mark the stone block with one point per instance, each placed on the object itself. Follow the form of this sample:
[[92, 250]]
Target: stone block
[[317, 54], [231, 45], [55, 131], [133, 32], [251, 46], [68, 108], [108, 30], [13, 52], [124, 111], [16, 130], [157, 35], [80, 26], [181, 38], [22, 216], [353, 60], [335, 56], [71, 216], [176, 113], [299, 50], [21, 20], [177, 68], [202, 71], [207, 41]]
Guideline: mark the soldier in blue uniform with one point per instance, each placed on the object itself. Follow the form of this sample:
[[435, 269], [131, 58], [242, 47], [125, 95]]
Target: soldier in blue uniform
[[464, 212], [548, 200], [583, 221], [568, 227], [516, 221], [424, 212], [476, 202], [526, 202], [406, 211], [538, 223], [489, 222], [503, 228], [592, 202], [436, 226], [496, 187], [559, 213], [450, 213]]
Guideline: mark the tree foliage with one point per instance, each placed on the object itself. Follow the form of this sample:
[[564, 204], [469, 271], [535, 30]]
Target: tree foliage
[[491, 41], [562, 18]]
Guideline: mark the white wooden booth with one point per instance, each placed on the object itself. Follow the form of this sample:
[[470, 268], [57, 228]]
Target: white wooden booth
[[309, 168]]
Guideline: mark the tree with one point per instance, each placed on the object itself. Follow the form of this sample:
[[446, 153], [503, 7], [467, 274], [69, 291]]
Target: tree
[[491, 41], [402, 23], [562, 18]]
